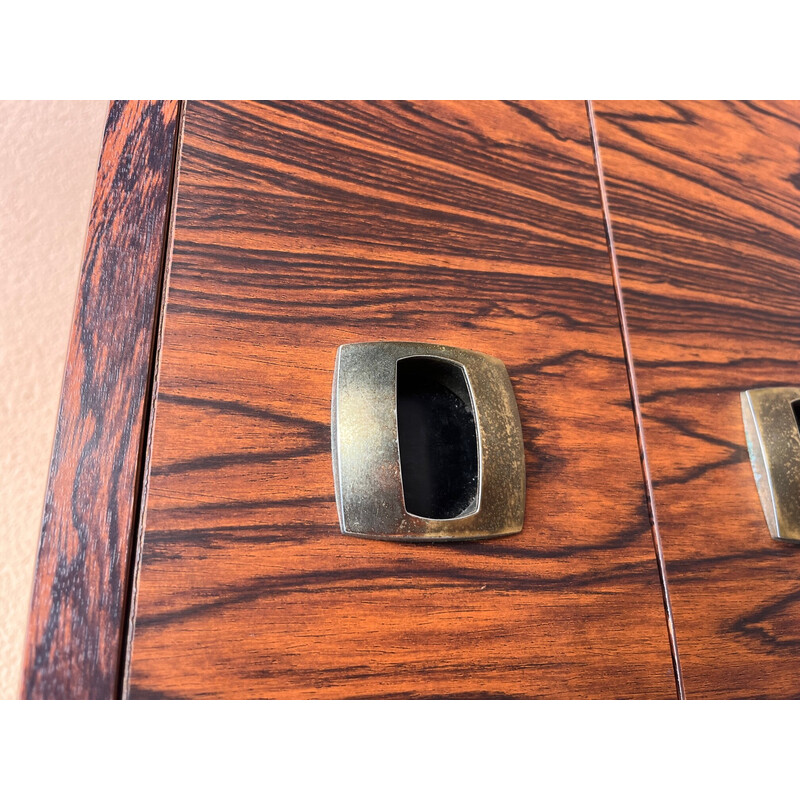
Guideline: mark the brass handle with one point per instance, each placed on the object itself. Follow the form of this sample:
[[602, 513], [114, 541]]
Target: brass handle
[[773, 441], [426, 443]]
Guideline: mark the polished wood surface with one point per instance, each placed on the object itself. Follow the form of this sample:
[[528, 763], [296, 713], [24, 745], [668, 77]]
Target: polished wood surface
[[80, 591], [300, 227], [705, 205]]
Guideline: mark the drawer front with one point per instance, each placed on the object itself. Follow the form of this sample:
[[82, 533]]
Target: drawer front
[[302, 227], [705, 205]]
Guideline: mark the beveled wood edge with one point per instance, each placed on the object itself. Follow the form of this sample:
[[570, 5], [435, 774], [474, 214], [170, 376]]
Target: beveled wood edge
[[636, 406], [136, 560], [81, 580]]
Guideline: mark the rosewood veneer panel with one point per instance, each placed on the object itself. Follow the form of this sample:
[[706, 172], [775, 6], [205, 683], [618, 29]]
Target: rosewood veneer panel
[[705, 205], [81, 582], [300, 227]]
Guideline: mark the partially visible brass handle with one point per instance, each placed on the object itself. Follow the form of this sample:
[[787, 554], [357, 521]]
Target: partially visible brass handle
[[771, 424]]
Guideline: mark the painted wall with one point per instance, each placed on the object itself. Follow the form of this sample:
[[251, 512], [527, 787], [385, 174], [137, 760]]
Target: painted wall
[[48, 160]]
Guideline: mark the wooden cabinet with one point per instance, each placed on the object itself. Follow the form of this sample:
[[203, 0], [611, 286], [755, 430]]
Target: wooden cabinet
[[298, 227]]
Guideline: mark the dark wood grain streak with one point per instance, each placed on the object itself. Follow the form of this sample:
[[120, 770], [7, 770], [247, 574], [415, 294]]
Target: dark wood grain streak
[[80, 591], [300, 227], [705, 204]]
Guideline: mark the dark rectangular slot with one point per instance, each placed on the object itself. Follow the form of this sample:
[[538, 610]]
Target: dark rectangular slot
[[437, 437], [796, 409]]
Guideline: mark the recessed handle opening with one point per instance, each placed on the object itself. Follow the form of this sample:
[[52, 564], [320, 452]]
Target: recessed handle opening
[[796, 410], [437, 437]]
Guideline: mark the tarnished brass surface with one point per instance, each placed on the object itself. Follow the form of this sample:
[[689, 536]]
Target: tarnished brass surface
[[366, 454], [773, 441]]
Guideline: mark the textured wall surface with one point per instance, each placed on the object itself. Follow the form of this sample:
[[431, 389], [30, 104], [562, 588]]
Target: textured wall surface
[[48, 160]]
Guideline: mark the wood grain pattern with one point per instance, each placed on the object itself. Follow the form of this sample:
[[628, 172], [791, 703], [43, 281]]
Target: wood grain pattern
[[80, 590], [300, 227], [705, 204]]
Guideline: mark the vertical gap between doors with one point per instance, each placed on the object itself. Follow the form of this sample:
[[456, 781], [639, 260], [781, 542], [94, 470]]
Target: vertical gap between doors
[[637, 410]]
